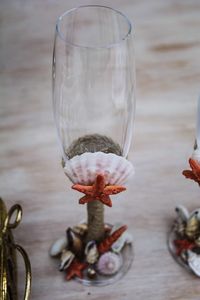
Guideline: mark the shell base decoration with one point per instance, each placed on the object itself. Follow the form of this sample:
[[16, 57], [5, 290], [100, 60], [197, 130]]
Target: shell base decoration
[[93, 263], [184, 238], [95, 253]]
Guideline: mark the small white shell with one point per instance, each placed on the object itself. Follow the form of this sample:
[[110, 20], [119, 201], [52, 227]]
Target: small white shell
[[182, 213], [195, 212], [125, 238], [194, 262], [84, 168], [91, 252], [109, 263], [58, 246], [66, 260], [196, 155]]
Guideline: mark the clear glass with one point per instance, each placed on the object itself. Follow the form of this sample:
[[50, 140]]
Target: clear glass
[[93, 76]]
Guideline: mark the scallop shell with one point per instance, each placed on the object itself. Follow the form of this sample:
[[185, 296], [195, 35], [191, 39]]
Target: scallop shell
[[194, 262], [125, 238], [84, 168], [109, 263], [58, 246]]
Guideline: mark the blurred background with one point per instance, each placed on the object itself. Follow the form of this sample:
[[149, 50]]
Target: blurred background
[[167, 47]]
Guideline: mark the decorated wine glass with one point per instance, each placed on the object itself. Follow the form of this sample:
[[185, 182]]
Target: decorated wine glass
[[93, 103], [184, 238]]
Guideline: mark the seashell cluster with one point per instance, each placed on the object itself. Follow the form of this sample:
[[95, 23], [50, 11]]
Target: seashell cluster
[[109, 263], [187, 238], [84, 168], [101, 258]]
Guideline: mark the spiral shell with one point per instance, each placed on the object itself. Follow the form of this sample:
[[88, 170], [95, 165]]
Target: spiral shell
[[84, 168], [109, 263]]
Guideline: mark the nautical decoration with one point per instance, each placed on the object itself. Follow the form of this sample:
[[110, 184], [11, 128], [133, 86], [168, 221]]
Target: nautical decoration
[[98, 191], [75, 269], [106, 244]]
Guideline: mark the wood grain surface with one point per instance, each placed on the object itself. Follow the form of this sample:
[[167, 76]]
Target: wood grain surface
[[167, 47]]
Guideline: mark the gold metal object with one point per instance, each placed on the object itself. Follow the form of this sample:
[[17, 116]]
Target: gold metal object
[[8, 263]]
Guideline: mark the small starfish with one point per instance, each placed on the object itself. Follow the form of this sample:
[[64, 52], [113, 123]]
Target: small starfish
[[75, 269], [193, 174], [98, 191], [182, 245], [106, 244]]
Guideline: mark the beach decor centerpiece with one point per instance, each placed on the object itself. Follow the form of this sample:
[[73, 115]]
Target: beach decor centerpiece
[[93, 103]]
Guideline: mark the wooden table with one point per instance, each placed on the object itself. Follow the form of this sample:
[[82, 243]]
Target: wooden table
[[167, 44]]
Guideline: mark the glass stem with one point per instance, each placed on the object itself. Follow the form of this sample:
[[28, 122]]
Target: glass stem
[[95, 210]]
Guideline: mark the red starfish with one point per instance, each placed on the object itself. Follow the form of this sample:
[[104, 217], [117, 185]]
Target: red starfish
[[75, 269], [193, 174], [106, 244], [98, 191], [182, 245]]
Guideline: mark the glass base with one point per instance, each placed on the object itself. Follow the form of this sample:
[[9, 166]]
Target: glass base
[[126, 255]]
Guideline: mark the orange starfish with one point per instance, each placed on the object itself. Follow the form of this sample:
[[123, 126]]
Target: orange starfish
[[98, 191], [75, 269], [182, 245], [193, 174], [106, 244]]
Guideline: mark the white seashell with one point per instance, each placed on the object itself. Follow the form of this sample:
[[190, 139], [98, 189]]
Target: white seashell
[[196, 155], [109, 263], [195, 212], [58, 246], [91, 252], [66, 260], [194, 262], [84, 168], [182, 213], [125, 238]]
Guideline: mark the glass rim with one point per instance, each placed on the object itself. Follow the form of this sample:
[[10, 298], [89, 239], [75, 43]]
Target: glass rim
[[111, 45]]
